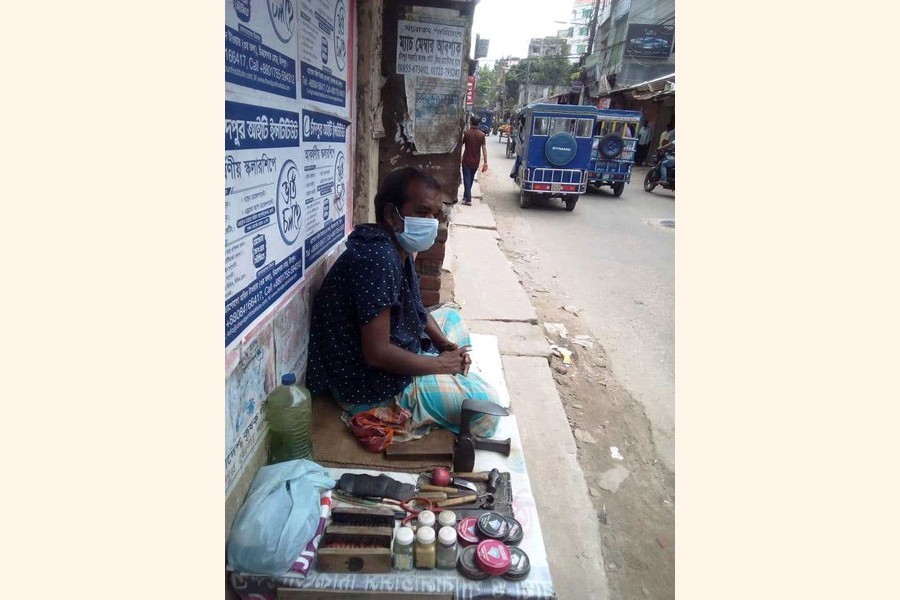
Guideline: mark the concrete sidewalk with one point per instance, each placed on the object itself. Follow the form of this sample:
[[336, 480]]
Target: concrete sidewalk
[[493, 302]]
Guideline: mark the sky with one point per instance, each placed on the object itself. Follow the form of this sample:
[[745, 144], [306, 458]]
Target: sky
[[510, 24]]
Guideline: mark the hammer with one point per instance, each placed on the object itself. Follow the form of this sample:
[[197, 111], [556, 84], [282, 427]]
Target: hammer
[[491, 477], [467, 442]]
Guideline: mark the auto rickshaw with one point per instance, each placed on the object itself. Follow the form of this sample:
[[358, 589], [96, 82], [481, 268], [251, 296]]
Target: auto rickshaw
[[487, 120], [614, 146], [553, 152]]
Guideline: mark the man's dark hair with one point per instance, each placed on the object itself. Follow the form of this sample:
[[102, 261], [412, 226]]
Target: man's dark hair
[[474, 121], [395, 188]]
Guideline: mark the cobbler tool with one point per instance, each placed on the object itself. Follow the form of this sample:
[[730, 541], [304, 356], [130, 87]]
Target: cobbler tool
[[441, 477], [467, 442]]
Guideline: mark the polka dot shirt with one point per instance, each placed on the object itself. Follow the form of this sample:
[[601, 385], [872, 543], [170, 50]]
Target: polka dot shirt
[[367, 278]]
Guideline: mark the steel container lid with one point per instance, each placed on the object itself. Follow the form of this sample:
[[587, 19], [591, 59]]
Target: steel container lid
[[515, 534], [520, 565], [493, 525], [466, 564]]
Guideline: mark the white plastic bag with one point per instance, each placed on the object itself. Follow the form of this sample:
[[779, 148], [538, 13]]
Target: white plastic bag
[[278, 517]]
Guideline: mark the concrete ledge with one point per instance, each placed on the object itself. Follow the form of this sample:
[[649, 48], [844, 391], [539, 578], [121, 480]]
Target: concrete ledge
[[516, 339], [487, 362], [477, 215], [449, 262], [568, 521], [485, 285]]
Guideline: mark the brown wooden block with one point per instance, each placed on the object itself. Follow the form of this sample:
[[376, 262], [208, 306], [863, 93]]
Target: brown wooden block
[[375, 516], [347, 549], [437, 443], [354, 560]]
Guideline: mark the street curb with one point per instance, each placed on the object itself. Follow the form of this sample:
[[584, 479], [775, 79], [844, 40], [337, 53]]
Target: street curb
[[577, 566]]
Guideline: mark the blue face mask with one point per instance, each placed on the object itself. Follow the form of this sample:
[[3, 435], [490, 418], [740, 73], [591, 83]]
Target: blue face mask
[[418, 233]]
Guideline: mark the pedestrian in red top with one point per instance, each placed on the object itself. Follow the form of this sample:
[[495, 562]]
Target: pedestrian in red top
[[473, 148]]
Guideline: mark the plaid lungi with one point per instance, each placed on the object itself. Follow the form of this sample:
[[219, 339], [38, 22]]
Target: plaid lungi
[[436, 400]]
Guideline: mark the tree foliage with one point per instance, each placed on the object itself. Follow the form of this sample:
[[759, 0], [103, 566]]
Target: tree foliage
[[556, 71], [486, 87], [498, 85]]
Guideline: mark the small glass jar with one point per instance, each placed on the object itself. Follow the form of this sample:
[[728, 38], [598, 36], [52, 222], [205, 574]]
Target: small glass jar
[[425, 550], [426, 518], [446, 548], [403, 549], [447, 518]]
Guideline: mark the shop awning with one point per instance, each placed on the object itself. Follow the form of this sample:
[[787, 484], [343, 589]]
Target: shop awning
[[654, 88]]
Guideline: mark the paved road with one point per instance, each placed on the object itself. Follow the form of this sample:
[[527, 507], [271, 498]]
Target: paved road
[[617, 264]]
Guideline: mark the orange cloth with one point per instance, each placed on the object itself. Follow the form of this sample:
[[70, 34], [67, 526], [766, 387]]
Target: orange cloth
[[375, 428]]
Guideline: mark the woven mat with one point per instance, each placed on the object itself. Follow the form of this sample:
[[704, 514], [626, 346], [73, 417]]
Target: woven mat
[[335, 446]]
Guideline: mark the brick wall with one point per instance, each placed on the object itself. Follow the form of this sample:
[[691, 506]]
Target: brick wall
[[428, 266]]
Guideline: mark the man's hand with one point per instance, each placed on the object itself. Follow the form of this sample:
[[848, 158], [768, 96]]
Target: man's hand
[[447, 346], [454, 362]]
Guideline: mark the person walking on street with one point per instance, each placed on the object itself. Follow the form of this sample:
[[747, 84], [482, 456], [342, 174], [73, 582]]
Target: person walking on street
[[643, 144], [473, 148]]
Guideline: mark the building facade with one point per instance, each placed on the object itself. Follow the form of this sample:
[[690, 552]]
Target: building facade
[[547, 46], [632, 62], [635, 41], [578, 33]]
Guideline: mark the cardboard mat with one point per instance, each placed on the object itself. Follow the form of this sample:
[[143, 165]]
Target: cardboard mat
[[335, 446]]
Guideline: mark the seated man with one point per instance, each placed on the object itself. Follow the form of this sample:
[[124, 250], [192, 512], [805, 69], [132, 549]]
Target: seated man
[[372, 343]]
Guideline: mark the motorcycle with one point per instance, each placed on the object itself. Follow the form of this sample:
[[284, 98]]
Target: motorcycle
[[651, 180]]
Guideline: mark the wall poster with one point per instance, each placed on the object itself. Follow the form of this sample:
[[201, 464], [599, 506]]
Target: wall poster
[[260, 46], [263, 243], [431, 49], [288, 176], [246, 388], [324, 182], [430, 57], [437, 103], [324, 54]]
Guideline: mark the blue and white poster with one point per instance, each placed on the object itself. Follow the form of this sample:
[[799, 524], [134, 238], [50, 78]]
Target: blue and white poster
[[263, 211], [246, 387], [324, 54], [261, 45], [325, 182], [288, 100]]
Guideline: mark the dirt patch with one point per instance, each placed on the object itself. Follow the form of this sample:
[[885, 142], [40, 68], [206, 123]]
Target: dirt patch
[[634, 496], [637, 509]]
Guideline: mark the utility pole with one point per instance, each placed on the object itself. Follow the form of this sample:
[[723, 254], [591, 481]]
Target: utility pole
[[593, 25], [592, 28], [528, 85]]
